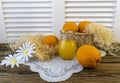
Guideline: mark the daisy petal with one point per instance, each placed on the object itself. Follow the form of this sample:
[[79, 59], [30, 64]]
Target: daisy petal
[[7, 58], [18, 51], [17, 64], [20, 48], [3, 63], [33, 47], [32, 51], [15, 55], [26, 59], [23, 59], [24, 46], [12, 65], [10, 55], [8, 63], [29, 44], [19, 57], [30, 55]]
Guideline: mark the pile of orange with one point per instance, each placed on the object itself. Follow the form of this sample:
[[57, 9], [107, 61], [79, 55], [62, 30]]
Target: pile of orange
[[72, 26]]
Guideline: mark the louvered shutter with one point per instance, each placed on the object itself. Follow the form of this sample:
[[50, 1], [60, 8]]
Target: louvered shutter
[[27, 16], [100, 11]]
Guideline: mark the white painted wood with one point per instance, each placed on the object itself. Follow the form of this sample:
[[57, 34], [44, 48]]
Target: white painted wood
[[58, 16], [116, 30], [2, 28], [27, 17]]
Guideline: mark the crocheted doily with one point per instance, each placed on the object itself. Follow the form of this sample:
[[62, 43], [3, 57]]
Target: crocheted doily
[[56, 69]]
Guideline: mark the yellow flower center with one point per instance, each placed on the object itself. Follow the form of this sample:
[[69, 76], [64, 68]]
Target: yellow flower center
[[26, 52], [14, 61]]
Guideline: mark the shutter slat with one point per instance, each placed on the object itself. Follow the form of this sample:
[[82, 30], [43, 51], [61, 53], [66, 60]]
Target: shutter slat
[[28, 25], [32, 20], [90, 0], [28, 30], [27, 15], [92, 11], [21, 5], [27, 10], [89, 9], [97, 19], [30, 1], [92, 20], [18, 34], [88, 4], [90, 14]]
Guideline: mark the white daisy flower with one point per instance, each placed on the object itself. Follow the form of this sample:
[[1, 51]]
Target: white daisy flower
[[11, 60], [25, 51]]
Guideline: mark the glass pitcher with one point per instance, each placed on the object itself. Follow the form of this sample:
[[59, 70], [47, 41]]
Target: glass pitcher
[[66, 47]]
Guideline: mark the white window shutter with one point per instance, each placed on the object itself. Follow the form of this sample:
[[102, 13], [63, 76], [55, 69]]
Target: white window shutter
[[100, 11], [27, 16], [116, 29], [2, 29]]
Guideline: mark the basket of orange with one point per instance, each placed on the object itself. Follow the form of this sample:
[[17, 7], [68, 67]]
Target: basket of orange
[[76, 32]]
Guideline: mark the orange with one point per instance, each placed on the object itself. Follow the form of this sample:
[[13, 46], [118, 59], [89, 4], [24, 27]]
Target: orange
[[82, 25], [70, 26], [88, 56], [50, 40]]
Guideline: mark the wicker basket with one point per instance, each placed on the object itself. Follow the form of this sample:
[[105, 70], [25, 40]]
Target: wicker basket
[[79, 38]]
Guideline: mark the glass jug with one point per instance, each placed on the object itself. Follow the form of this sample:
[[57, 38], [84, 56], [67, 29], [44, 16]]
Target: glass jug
[[66, 47]]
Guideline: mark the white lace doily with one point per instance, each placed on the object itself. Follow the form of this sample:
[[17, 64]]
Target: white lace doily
[[55, 70]]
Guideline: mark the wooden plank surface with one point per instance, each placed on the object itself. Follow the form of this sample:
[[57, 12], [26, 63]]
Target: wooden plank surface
[[107, 72], [104, 73]]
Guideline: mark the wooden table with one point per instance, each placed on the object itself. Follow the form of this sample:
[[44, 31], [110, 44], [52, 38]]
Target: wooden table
[[107, 72]]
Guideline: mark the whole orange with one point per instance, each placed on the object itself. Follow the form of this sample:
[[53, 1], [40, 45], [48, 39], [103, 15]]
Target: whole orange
[[88, 56], [70, 26], [82, 25], [50, 40]]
